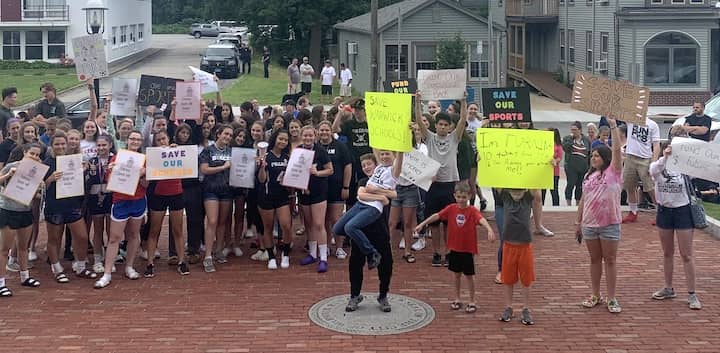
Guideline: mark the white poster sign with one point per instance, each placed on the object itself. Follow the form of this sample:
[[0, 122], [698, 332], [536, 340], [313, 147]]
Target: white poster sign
[[125, 174], [172, 162], [187, 97], [72, 182], [297, 174], [419, 169], [23, 185], [242, 172], [124, 97], [442, 84], [90, 60], [207, 80], [695, 158]]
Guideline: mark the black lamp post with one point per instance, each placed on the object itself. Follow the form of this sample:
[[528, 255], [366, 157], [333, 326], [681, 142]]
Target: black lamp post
[[94, 24]]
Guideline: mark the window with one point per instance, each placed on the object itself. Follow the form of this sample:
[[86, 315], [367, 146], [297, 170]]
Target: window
[[604, 45], [396, 66], [562, 45], [677, 2], [671, 58], [571, 46], [11, 45], [114, 37], [141, 30], [500, 3], [479, 63], [123, 35], [33, 45], [697, 1], [528, 2], [56, 44], [133, 29], [656, 2], [589, 57], [425, 57]]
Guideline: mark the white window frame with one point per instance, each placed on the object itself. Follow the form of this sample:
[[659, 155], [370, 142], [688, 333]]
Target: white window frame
[[141, 32], [677, 2], [604, 45], [114, 39], [571, 46], [656, 2], [589, 50], [563, 54], [123, 36], [415, 56], [57, 44], [40, 45], [472, 51], [133, 29]]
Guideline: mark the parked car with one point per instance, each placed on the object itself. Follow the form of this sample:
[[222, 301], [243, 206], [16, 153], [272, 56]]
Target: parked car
[[198, 30], [221, 60], [78, 112], [227, 38], [712, 109]]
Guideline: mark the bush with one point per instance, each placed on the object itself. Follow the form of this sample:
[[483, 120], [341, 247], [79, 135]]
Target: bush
[[26, 65]]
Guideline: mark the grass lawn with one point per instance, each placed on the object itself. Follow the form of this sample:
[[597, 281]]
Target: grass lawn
[[28, 81], [712, 210]]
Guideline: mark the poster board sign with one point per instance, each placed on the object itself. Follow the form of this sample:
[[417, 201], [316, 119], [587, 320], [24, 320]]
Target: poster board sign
[[401, 86], [207, 80], [507, 105], [419, 169], [90, 60], [125, 174], [242, 171], [442, 84], [388, 118], [188, 96], [23, 185], [619, 100], [72, 183], [514, 158], [171, 162], [124, 91], [297, 173], [156, 90], [696, 158]]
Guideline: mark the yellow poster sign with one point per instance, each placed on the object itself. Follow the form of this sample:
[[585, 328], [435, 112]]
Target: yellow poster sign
[[388, 118], [514, 158]]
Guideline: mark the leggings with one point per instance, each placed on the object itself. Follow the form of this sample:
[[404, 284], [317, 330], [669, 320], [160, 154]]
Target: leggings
[[553, 192], [195, 212], [381, 242], [574, 180], [500, 222]]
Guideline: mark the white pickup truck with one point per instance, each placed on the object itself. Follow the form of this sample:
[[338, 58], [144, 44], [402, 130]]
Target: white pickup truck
[[214, 28]]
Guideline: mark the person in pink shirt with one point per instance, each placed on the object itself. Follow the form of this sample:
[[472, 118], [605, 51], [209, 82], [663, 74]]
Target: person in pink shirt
[[599, 218]]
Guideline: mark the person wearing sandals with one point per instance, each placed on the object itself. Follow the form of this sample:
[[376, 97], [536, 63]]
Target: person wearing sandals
[[598, 218], [126, 216], [16, 221], [62, 212], [461, 218], [99, 200], [674, 218]]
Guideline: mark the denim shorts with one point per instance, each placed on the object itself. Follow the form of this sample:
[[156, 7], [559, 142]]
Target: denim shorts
[[407, 196], [610, 232], [674, 218], [64, 217], [218, 196]]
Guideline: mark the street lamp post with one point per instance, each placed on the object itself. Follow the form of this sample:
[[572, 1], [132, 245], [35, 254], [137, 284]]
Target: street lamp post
[[94, 24]]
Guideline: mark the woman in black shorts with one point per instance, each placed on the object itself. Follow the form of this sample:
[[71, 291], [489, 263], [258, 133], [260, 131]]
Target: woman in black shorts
[[235, 237], [338, 182], [99, 200]]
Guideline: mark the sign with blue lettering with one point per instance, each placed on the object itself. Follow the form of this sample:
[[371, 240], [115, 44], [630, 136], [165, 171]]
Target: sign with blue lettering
[[507, 105]]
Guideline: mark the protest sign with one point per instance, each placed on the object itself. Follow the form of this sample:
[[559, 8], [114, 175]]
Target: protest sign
[[72, 182], [400, 86], [124, 97], [207, 80], [297, 173], [172, 162], [90, 60], [508, 105], [156, 90], [514, 158], [23, 185], [442, 84], [419, 169], [619, 100], [125, 174], [188, 96], [695, 158], [242, 172], [388, 118]]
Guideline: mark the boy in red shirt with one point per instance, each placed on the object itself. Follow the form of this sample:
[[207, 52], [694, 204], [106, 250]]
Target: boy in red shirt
[[461, 219]]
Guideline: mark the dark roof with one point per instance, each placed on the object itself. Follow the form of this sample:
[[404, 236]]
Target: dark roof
[[388, 15]]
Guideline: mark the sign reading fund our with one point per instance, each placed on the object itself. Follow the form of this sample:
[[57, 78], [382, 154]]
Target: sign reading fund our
[[507, 105], [172, 162], [388, 117]]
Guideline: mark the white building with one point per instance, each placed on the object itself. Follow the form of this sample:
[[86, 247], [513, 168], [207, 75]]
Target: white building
[[43, 29]]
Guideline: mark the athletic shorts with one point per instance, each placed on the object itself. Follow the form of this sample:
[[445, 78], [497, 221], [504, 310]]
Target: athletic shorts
[[15, 219], [306, 87], [312, 198], [239, 192], [218, 196], [407, 196], [334, 192], [609, 232], [461, 262], [326, 90], [438, 197], [518, 261], [161, 203], [268, 202], [634, 169], [99, 204], [123, 210], [674, 218], [65, 217]]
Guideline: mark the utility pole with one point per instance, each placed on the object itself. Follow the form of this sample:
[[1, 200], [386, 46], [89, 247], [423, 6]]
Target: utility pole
[[491, 46], [374, 46]]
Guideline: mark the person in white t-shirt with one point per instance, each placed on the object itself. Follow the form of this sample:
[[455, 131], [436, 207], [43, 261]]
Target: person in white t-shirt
[[345, 81], [643, 147], [327, 75], [306, 75]]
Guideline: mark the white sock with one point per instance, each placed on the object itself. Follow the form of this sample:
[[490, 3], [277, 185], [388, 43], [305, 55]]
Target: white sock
[[57, 268], [2, 282], [78, 266], [323, 252], [312, 245], [106, 277], [24, 275], [633, 207]]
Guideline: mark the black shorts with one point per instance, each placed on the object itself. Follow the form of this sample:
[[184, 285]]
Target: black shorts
[[326, 89], [15, 219], [461, 262], [160, 203], [239, 192], [674, 218], [312, 198], [99, 204], [334, 194], [438, 197], [269, 202], [306, 87], [69, 216]]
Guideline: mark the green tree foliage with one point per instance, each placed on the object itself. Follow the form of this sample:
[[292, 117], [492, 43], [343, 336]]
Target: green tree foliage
[[451, 53]]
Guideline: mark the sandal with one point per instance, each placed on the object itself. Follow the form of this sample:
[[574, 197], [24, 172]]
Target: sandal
[[31, 282], [498, 279], [5, 292], [455, 305], [471, 308], [61, 278], [87, 274], [410, 258], [592, 301], [300, 231]]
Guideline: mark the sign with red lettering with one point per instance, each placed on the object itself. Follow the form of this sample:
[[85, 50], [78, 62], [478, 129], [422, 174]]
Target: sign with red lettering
[[507, 105]]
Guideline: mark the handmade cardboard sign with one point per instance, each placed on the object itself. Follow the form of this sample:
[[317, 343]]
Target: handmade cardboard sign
[[388, 117], [695, 158], [619, 100], [90, 60], [419, 169], [188, 96], [207, 80], [442, 84]]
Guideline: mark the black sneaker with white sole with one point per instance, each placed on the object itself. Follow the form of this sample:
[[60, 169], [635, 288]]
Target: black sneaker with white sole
[[183, 269], [149, 271]]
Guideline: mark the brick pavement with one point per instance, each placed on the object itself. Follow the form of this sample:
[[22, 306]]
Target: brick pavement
[[246, 308]]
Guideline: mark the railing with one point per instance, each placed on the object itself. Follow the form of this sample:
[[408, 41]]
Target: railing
[[516, 63], [532, 8], [42, 13]]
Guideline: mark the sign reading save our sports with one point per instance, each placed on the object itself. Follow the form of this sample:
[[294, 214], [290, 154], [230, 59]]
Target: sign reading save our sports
[[509, 104], [615, 99]]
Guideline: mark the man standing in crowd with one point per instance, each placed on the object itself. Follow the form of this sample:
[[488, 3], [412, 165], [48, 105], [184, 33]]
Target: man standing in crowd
[[345, 81], [642, 148], [697, 124], [306, 75], [293, 74], [50, 106], [327, 75], [266, 62], [9, 98], [246, 57], [355, 129]]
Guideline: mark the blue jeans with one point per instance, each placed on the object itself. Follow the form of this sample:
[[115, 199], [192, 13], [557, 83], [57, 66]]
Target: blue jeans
[[352, 223], [500, 222]]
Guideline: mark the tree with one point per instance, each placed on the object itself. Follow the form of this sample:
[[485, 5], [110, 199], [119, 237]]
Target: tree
[[451, 53]]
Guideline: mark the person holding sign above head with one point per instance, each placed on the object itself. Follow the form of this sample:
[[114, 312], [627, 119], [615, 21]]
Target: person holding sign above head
[[99, 200], [16, 221]]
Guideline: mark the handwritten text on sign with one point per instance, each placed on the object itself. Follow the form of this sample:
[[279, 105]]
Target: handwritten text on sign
[[512, 158], [388, 116], [695, 158], [90, 60], [442, 84], [156, 90], [172, 162], [614, 99], [23, 185], [419, 169]]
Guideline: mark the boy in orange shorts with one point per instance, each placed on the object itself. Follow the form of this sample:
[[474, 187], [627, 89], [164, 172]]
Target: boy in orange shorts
[[518, 260]]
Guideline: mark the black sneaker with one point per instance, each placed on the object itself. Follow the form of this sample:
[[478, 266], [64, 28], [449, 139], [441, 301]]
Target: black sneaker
[[374, 260], [384, 304], [437, 260], [445, 262], [183, 269], [149, 271]]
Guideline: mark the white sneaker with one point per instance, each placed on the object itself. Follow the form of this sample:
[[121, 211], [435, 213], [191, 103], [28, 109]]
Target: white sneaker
[[226, 252], [131, 273], [332, 240], [544, 232], [285, 262], [144, 255], [249, 234], [261, 255], [402, 243], [32, 256], [98, 267], [340, 254], [419, 244], [102, 282], [157, 254], [238, 252], [272, 264]]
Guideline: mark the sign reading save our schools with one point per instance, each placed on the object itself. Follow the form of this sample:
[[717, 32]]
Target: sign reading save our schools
[[514, 158], [172, 162], [400, 86], [612, 98], [388, 117], [155, 90], [695, 158], [510, 104]]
